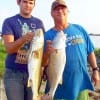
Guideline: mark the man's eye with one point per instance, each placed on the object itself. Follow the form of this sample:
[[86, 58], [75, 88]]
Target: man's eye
[[31, 3]]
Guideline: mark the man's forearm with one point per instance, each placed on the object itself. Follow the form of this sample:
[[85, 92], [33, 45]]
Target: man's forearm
[[92, 60], [45, 59]]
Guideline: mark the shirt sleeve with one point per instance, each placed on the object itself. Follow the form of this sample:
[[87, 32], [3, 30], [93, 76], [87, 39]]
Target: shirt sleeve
[[6, 27]]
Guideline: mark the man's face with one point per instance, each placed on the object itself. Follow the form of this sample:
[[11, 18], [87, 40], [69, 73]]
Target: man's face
[[59, 13], [26, 6]]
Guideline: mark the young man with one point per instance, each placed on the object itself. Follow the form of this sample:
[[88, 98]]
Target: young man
[[17, 32], [79, 49]]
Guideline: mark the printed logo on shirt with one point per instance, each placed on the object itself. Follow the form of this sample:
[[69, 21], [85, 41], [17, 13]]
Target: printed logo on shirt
[[22, 54], [75, 39]]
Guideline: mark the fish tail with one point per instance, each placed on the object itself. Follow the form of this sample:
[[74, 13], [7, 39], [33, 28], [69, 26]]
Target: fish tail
[[47, 97], [29, 84], [61, 81]]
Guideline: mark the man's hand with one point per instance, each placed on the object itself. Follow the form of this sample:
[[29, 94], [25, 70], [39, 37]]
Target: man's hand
[[49, 47], [96, 78], [29, 36]]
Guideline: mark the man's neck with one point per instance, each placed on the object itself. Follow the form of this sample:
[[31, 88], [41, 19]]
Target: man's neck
[[59, 27], [25, 16]]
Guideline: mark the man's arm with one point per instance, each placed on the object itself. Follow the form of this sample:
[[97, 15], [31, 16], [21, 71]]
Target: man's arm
[[12, 46], [48, 50], [93, 64], [45, 59]]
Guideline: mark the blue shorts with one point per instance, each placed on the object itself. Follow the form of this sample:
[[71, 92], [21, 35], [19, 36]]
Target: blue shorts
[[15, 83]]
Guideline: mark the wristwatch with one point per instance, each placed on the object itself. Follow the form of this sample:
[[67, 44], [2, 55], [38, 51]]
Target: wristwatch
[[95, 69]]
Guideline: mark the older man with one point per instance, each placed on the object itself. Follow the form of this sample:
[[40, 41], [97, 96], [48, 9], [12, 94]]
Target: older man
[[79, 50]]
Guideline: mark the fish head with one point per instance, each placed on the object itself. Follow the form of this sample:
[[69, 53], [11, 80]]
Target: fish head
[[38, 40], [59, 41]]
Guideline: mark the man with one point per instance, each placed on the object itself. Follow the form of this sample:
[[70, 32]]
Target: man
[[79, 49], [17, 32]]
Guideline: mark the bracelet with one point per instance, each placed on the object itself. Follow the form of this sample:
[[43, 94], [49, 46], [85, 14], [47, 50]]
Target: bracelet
[[96, 68]]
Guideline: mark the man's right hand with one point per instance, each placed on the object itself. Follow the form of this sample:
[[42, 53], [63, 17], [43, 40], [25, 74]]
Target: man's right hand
[[49, 47], [29, 36]]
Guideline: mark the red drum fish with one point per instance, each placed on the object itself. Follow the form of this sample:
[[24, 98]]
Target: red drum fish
[[56, 65], [34, 62]]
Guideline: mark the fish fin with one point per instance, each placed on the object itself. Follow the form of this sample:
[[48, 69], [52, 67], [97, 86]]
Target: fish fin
[[61, 81], [47, 97], [29, 84]]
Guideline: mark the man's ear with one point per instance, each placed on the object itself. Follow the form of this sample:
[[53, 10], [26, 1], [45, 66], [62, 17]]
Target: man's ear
[[51, 14], [18, 2], [34, 2]]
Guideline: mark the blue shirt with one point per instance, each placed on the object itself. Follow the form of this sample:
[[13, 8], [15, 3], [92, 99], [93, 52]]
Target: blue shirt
[[75, 76], [18, 25]]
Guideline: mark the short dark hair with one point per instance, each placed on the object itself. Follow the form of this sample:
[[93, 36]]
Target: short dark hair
[[18, 1]]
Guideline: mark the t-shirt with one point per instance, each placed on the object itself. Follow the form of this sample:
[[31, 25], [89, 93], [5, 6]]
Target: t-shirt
[[75, 75], [19, 26]]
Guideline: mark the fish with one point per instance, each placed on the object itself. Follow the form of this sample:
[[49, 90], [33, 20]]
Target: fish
[[34, 62], [56, 65]]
